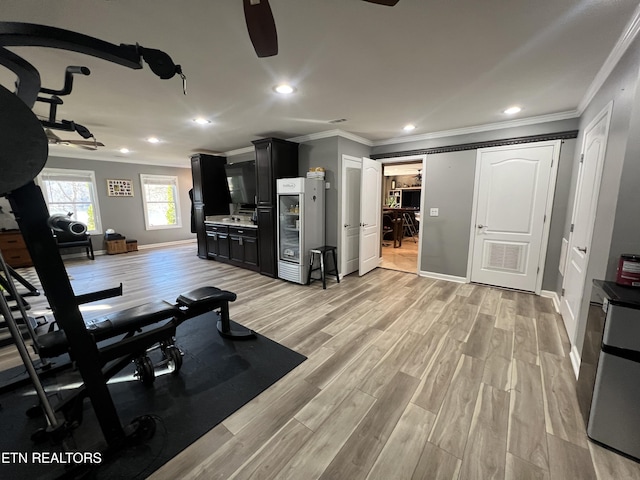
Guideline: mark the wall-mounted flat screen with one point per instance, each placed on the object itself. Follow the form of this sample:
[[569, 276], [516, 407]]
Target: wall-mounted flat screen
[[241, 178], [411, 198]]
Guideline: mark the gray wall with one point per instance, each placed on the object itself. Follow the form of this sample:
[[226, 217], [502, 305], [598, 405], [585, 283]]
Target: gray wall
[[448, 184], [617, 226], [324, 153], [125, 214]]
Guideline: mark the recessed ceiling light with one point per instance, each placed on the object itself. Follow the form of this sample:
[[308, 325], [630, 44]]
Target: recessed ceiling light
[[153, 140], [284, 89], [512, 110], [409, 127], [201, 121], [124, 150]]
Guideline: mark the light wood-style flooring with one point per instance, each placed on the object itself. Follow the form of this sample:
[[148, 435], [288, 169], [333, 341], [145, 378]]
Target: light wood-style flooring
[[406, 378], [404, 258]]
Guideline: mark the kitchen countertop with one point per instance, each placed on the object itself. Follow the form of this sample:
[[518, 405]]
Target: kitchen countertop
[[235, 221], [619, 294]]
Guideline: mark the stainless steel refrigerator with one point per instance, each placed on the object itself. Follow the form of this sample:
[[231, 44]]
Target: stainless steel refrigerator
[[609, 378], [300, 225]]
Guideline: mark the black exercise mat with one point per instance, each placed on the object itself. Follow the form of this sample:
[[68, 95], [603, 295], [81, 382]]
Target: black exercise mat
[[218, 376]]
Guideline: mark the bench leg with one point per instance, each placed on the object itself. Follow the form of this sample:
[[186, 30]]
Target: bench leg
[[225, 330]]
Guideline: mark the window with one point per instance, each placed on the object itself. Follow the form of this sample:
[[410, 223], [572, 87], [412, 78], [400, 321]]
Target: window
[[160, 199], [72, 191]]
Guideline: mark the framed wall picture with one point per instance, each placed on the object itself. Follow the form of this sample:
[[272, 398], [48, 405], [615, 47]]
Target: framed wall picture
[[119, 188]]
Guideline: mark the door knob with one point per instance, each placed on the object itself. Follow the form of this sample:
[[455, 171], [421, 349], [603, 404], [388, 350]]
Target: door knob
[[346, 225], [583, 250], [481, 226]]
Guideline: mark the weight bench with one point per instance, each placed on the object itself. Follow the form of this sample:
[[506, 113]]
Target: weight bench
[[144, 328]]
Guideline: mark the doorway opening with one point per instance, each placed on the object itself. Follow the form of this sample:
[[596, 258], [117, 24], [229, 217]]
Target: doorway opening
[[401, 204]]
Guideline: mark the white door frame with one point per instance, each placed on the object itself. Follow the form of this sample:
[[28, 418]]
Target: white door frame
[[343, 210], [412, 158], [548, 209]]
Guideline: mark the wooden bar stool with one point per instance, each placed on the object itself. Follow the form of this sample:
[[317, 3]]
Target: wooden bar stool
[[321, 253]]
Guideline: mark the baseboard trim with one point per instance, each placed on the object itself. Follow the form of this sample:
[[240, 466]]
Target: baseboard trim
[[575, 360], [553, 296], [166, 244], [443, 276]]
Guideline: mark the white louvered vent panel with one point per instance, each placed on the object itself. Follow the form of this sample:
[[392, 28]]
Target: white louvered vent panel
[[505, 257], [291, 272]]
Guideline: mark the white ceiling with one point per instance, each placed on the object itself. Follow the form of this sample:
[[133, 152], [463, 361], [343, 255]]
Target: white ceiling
[[440, 64]]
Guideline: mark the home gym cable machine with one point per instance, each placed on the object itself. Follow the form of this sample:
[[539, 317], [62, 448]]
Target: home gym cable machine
[[23, 154]]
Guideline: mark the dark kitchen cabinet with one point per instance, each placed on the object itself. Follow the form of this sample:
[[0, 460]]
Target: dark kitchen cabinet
[[275, 158], [243, 246], [235, 245], [217, 241], [201, 234], [210, 194]]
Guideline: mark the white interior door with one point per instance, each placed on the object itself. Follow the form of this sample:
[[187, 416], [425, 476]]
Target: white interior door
[[513, 199], [351, 171], [370, 217], [583, 217]]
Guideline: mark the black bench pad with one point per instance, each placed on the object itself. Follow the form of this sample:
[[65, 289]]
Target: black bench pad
[[205, 296], [55, 343], [130, 319]]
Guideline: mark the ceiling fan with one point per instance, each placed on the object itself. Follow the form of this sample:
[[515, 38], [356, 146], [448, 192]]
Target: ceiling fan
[[262, 26], [86, 144]]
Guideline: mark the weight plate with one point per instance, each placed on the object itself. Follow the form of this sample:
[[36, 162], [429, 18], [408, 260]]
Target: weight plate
[[23, 144]]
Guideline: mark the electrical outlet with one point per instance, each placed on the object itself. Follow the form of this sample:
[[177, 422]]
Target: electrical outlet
[[433, 212], [327, 186]]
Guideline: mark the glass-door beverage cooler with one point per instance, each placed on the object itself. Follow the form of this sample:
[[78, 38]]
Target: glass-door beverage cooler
[[300, 225]]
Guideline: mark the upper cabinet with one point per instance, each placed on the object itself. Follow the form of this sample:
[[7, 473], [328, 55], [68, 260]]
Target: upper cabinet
[[210, 183], [275, 159]]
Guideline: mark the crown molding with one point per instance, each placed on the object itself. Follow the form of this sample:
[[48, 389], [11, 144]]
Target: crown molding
[[110, 157], [622, 45], [482, 128], [308, 138]]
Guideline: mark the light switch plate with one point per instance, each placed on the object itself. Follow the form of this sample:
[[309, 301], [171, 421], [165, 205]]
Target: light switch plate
[[433, 212]]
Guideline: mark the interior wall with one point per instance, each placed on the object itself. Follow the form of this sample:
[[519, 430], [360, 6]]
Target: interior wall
[[324, 153], [448, 185], [449, 181], [125, 214], [616, 225]]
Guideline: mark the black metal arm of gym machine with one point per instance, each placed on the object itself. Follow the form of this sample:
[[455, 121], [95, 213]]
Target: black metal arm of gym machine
[[30, 208], [15, 34]]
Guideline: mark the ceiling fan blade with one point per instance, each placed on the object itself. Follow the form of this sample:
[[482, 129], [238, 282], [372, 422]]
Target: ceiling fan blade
[[388, 3], [261, 27]]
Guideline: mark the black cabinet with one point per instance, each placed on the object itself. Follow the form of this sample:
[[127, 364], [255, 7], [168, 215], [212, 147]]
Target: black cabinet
[[217, 241], [275, 158], [235, 245], [201, 234], [243, 246], [210, 193]]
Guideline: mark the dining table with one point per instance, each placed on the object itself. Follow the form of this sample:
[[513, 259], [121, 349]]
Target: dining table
[[396, 214]]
